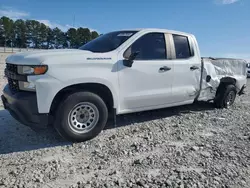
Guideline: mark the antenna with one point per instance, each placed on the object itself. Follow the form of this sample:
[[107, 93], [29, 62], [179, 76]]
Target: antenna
[[74, 21]]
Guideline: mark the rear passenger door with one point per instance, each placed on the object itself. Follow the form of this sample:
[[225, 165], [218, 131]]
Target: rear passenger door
[[187, 67]]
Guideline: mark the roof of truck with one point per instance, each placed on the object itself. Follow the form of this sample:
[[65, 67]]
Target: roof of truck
[[157, 30]]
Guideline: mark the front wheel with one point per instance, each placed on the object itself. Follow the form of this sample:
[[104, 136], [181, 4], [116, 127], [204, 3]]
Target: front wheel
[[226, 96], [81, 116]]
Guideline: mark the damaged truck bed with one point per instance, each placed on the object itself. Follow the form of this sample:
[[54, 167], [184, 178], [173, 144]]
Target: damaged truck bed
[[218, 71]]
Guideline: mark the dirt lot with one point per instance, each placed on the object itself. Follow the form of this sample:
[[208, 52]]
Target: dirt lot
[[189, 146]]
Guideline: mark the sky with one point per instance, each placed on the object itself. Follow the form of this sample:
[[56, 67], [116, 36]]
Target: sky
[[222, 27]]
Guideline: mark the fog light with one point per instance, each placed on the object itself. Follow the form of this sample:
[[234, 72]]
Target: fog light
[[27, 86]]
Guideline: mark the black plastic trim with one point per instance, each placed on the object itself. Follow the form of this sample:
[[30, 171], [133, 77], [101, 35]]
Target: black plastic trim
[[23, 107]]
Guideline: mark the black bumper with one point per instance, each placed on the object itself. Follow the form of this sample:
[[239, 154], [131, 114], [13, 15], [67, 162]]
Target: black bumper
[[23, 107]]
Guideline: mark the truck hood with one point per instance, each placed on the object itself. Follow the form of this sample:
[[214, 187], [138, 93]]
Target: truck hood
[[39, 56]]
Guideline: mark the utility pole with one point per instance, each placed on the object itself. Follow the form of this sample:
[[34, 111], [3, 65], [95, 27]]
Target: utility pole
[[74, 19]]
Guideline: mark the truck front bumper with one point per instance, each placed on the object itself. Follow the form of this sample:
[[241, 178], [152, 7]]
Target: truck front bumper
[[23, 107]]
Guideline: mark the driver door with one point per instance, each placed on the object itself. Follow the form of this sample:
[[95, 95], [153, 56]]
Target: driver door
[[148, 83]]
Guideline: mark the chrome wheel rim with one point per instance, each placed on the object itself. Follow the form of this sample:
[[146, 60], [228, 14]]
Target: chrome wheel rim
[[230, 98], [83, 117]]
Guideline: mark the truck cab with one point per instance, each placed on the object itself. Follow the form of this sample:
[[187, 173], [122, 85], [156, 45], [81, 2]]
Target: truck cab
[[119, 72]]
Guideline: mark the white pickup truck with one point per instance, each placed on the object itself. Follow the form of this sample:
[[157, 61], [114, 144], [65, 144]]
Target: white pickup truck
[[119, 72]]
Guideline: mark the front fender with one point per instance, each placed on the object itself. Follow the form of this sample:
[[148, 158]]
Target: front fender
[[47, 87], [111, 85]]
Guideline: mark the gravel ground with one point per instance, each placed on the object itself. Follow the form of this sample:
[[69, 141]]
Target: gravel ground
[[188, 146], [2, 66]]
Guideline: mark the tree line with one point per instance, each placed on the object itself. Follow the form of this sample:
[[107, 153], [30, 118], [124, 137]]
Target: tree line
[[34, 34]]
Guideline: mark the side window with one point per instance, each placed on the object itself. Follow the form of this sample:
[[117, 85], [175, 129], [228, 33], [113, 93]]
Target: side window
[[150, 46], [182, 48]]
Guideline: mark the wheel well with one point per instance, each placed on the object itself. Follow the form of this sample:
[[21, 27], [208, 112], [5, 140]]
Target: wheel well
[[224, 82], [228, 80], [99, 89]]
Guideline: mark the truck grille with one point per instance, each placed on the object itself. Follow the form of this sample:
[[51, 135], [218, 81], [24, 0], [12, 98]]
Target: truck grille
[[11, 67], [13, 84]]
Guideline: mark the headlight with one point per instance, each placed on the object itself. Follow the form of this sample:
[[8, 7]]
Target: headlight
[[248, 65], [32, 70], [27, 86]]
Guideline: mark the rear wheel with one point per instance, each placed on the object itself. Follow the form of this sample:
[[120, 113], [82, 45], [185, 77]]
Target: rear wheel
[[81, 116], [225, 96]]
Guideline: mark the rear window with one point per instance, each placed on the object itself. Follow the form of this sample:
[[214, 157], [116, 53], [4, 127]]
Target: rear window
[[182, 47]]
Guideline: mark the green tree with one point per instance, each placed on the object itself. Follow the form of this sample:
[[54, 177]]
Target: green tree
[[1, 34], [50, 38], [20, 33], [94, 35], [8, 31], [83, 36], [42, 35], [59, 38], [33, 27], [72, 37], [23, 33]]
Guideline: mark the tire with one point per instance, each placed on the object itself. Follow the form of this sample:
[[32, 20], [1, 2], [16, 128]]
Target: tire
[[225, 97], [81, 116]]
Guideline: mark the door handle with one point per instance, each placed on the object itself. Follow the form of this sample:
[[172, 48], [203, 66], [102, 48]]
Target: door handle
[[194, 68], [164, 68]]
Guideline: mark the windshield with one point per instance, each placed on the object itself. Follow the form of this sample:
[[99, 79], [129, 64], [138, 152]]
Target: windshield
[[108, 42]]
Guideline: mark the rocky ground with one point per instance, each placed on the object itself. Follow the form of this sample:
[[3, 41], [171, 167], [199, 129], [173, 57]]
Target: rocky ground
[[188, 146], [2, 66]]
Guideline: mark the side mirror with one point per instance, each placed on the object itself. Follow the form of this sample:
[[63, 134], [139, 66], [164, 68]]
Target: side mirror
[[128, 63], [130, 60]]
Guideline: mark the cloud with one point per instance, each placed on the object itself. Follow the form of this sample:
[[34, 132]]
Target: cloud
[[226, 2], [12, 13], [63, 27], [54, 25], [60, 26]]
